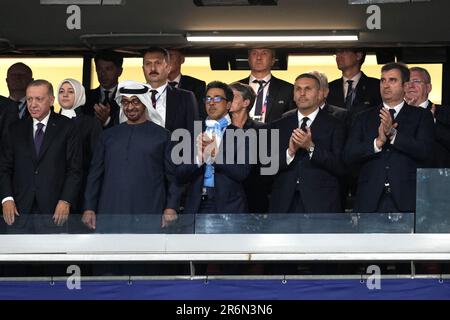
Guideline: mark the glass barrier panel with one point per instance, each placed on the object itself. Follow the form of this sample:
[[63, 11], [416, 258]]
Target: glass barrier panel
[[433, 201]]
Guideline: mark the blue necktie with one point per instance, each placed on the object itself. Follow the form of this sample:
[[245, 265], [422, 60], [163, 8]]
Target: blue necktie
[[39, 138], [217, 128]]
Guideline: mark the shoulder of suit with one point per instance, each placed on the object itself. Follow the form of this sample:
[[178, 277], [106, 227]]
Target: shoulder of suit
[[336, 82], [194, 80], [371, 80], [280, 82]]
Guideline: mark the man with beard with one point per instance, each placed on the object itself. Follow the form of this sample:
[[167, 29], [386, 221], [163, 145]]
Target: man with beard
[[131, 171]]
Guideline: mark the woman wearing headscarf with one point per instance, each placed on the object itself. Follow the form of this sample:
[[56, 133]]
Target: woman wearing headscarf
[[71, 96]]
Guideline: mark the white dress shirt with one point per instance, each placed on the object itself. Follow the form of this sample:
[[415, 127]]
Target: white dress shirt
[[355, 80], [161, 98], [311, 118], [255, 87], [397, 109]]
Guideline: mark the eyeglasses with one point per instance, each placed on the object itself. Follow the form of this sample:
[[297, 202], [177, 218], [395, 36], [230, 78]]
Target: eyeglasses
[[215, 99], [134, 102], [415, 81]]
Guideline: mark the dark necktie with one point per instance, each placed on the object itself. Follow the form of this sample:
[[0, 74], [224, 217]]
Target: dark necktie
[[39, 137], [259, 97], [303, 125], [392, 112], [154, 92], [106, 99], [350, 94], [173, 83]]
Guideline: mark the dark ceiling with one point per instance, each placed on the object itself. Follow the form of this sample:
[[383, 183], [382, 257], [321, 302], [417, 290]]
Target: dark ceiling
[[27, 26]]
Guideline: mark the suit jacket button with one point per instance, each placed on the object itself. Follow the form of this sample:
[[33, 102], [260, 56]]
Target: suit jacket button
[[36, 172], [387, 167], [298, 181]]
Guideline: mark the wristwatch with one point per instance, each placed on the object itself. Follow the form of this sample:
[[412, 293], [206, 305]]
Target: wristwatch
[[311, 148], [392, 133]]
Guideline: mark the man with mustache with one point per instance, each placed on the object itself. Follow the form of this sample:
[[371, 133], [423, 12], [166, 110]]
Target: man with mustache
[[40, 166], [177, 108], [131, 171], [390, 142]]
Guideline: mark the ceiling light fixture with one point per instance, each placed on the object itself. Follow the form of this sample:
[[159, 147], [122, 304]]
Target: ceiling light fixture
[[246, 38]]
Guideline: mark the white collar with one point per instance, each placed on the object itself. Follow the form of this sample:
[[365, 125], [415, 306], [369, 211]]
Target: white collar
[[397, 108], [266, 78], [111, 91], [424, 104], [310, 116], [177, 79], [160, 89], [44, 121], [322, 106], [355, 78]]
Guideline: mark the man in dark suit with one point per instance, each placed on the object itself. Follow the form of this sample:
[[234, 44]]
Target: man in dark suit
[[390, 142], [273, 95], [354, 91], [417, 91], [215, 185], [18, 76], [181, 81], [100, 102], [310, 147], [177, 108], [40, 167]]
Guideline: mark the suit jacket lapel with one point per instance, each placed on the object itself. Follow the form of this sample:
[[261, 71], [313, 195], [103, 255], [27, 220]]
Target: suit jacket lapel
[[170, 103], [273, 89], [50, 132], [360, 89], [340, 92], [403, 114], [30, 138]]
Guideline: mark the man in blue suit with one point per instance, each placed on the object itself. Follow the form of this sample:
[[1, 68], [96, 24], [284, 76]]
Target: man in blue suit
[[215, 186], [310, 146], [390, 142]]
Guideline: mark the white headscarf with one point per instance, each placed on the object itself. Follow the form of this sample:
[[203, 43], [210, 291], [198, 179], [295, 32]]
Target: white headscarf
[[141, 91], [80, 97]]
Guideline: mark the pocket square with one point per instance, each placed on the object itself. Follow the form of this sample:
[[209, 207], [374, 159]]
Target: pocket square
[[280, 102]]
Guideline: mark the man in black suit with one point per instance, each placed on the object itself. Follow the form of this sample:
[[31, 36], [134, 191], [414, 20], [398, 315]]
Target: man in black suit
[[40, 167], [364, 91], [215, 184], [390, 142], [310, 147], [273, 95], [100, 102], [18, 76], [417, 91], [181, 81], [177, 108]]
